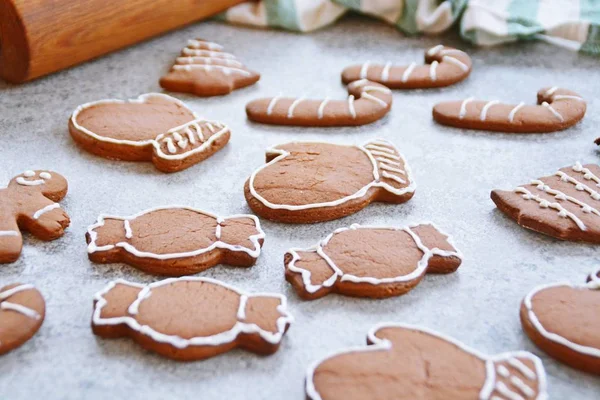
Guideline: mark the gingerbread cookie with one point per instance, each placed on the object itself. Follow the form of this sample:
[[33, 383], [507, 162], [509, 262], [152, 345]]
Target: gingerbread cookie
[[22, 312], [565, 205], [557, 109], [445, 66], [369, 261], [367, 102], [304, 182], [204, 69], [191, 318], [28, 204], [154, 127], [174, 241], [562, 319], [406, 362]]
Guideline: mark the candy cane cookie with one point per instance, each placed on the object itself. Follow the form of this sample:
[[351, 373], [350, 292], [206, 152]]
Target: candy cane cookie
[[557, 109], [367, 102], [444, 66], [204, 69], [22, 312], [562, 320], [154, 127]]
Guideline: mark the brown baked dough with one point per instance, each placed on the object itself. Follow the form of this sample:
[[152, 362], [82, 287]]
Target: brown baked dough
[[371, 261], [204, 69], [404, 362], [565, 205], [154, 127], [563, 320], [444, 66], [367, 102], [305, 182], [189, 318], [29, 204], [557, 109], [22, 312]]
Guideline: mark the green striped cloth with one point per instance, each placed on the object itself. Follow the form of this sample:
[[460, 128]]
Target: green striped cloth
[[574, 24]]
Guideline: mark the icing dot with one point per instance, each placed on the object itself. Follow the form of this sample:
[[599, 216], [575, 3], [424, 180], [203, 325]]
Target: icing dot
[[28, 173], [45, 175]]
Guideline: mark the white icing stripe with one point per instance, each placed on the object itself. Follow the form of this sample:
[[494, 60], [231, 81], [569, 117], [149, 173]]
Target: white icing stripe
[[456, 62], [519, 384], [26, 311], [522, 368], [432, 71], [503, 371], [588, 175], [21, 288], [379, 344], [44, 210], [485, 109], [408, 71], [254, 239], [578, 185], [380, 148], [553, 111], [566, 97], [190, 135], [210, 127], [551, 90], [208, 60], [505, 391], [290, 113], [382, 154], [218, 231], [204, 144], [376, 89], [513, 112], [586, 208], [272, 104], [351, 109], [200, 43], [387, 167], [24, 182], [386, 174], [170, 146], [9, 233], [214, 340], [128, 231], [463, 107], [385, 73], [225, 69], [241, 314], [322, 108], [373, 98], [385, 160], [364, 70], [207, 53], [434, 50], [562, 212]]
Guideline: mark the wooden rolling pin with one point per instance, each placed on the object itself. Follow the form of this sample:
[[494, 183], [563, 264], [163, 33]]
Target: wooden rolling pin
[[38, 37]]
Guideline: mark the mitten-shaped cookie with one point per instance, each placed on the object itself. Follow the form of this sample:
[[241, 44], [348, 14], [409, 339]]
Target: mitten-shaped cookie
[[371, 261], [191, 318], [565, 205], [22, 312], [563, 320], [444, 66], [174, 241], [154, 127], [406, 362], [29, 204], [557, 109], [306, 182], [367, 102], [204, 69]]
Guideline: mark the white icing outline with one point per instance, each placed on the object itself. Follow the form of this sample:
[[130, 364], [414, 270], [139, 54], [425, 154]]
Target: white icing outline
[[281, 154], [8, 306], [181, 343], [338, 273], [46, 209], [384, 344], [553, 337], [218, 244], [9, 233]]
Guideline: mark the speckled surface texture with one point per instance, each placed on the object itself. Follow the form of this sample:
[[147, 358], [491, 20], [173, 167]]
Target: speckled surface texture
[[454, 170]]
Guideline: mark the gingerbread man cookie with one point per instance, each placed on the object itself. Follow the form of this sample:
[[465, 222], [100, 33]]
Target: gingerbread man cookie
[[367, 102], [305, 182], [445, 66], [29, 204], [369, 261], [565, 205], [174, 240], [406, 362], [557, 109], [154, 127], [562, 319], [22, 312], [204, 69], [189, 318]]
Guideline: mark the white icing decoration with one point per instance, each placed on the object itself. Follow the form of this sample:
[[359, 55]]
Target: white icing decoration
[[351, 109], [589, 351], [241, 314], [566, 97], [4, 305], [225, 69], [527, 195], [45, 175], [322, 108], [526, 390], [272, 103], [343, 277], [179, 342], [551, 91], [553, 111], [588, 175], [505, 391], [485, 109], [379, 344], [385, 72], [380, 148], [128, 231], [503, 371], [9, 233], [463, 107], [364, 70], [513, 112], [186, 128], [29, 173], [9, 292], [432, 71], [207, 53], [170, 146], [434, 50], [281, 154], [408, 71], [254, 239], [24, 182], [377, 100], [44, 210], [199, 43], [290, 113], [456, 62]]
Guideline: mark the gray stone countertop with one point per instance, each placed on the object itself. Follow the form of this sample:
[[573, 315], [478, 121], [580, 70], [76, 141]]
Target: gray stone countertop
[[454, 170]]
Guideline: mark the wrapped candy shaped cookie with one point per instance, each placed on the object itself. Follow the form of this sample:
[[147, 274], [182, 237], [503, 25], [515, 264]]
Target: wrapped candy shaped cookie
[[175, 240], [191, 318], [29, 204], [406, 362], [22, 312]]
